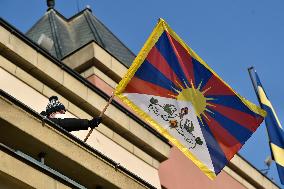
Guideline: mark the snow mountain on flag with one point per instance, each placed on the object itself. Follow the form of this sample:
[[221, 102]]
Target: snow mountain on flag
[[181, 97]]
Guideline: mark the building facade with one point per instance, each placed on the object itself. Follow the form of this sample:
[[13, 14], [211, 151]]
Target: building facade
[[81, 63]]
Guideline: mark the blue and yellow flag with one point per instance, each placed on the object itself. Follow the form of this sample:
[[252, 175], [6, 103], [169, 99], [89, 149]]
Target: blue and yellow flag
[[274, 129], [177, 93]]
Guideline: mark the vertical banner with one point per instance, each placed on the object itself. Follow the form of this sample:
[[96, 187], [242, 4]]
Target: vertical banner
[[274, 128]]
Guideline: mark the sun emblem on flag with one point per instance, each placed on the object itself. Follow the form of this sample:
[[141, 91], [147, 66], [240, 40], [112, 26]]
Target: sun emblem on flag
[[196, 97]]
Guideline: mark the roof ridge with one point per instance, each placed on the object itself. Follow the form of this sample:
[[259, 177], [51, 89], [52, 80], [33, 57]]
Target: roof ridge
[[93, 29], [54, 33], [72, 17]]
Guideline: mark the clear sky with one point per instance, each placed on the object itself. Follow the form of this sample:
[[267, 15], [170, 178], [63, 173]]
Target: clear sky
[[230, 35]]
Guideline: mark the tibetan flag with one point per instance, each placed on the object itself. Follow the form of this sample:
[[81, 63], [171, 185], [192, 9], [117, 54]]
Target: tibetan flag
[[178, 94], [274, 129]]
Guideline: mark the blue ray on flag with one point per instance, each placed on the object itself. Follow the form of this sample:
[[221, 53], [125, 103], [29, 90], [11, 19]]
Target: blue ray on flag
[[202, 75], [217, 155]]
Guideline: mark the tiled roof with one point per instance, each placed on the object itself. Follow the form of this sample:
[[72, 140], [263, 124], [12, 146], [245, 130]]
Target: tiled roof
[[70, 34]]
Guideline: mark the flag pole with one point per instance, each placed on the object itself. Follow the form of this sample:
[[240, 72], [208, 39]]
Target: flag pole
[[253, 83], [257, 95], [101, 114]]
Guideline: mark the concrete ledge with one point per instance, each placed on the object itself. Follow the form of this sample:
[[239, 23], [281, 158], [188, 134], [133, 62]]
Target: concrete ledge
[[75, 60], [4, 36], [93, 55], [22, 175], [94, 71], [248, 175], [63, 153]]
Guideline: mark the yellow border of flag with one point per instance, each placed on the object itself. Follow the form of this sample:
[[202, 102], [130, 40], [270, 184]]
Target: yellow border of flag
[[151, 41]]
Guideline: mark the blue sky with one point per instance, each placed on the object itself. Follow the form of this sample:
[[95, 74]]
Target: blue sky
[[230, 35]]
